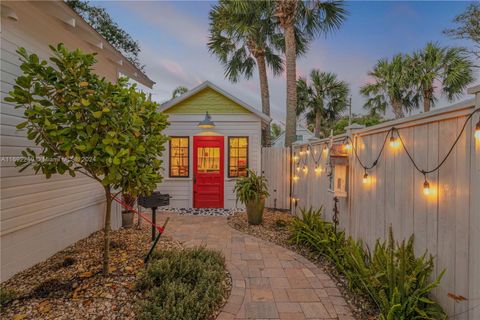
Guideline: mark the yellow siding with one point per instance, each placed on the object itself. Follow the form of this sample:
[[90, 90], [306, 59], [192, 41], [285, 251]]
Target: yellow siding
[[207, 100]]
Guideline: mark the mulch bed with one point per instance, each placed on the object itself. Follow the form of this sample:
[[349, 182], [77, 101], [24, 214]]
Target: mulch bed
[[69, 285], [275, 228]]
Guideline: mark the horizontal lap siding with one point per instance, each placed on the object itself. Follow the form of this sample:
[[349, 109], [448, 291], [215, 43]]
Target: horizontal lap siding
[[39, 216], [180, 189], [447, 223]]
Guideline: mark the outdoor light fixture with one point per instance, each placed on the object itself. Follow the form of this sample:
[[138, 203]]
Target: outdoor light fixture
[[348, 146], [426, 187], [305, 169], [365, 178], [295, 157], [298, 168], [318, 169], [394, 142], [206, 123], [477, 130]]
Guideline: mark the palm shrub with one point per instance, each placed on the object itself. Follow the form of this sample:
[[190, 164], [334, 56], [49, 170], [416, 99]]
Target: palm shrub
[[252, 191], [396, 281]]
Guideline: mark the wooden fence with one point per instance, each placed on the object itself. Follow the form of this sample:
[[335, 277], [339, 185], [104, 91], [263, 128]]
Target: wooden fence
[[276, 167], [446, 222]]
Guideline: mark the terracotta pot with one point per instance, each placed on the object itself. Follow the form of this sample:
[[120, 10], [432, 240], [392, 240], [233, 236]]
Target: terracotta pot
[[255, 211], [127, 219]]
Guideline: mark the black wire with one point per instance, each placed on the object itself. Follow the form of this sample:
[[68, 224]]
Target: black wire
[[379, 154], [425, 172]]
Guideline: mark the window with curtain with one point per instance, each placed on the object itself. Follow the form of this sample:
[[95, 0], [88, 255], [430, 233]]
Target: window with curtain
[[237, 156], [179, 156]]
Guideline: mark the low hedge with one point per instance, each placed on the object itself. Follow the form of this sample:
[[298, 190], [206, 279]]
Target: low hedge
[[392, 276], [183, 284]]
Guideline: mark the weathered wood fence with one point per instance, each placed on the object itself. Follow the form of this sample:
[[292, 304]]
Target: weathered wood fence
[[276, 167], [446, 222]]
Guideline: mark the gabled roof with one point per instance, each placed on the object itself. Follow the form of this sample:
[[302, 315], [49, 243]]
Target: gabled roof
[[207, 84]]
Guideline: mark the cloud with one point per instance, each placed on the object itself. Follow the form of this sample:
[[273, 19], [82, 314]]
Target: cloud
[[165, 18]]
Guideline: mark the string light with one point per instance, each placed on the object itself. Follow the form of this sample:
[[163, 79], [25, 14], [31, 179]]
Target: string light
[[348, 146], [308, 150], [477, 130], [298, 167], [426, 188], [325, 149], [295, 178], [365, 177], [318, 169], [305, 169], [394, 142]]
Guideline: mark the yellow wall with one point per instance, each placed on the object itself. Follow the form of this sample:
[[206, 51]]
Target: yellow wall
[[207, 100]]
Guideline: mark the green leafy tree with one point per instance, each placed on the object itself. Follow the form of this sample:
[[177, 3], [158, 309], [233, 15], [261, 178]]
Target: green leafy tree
[[243, 37], [83, 124], [392, 86], [366, 120], [323, 98], [276, 130], [305, 19], [179, 91], [448, 66], [101, 21], [468, 27]]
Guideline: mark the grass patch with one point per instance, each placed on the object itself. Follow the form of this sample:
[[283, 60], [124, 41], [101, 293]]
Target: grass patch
[[6, 296], [183, 284]]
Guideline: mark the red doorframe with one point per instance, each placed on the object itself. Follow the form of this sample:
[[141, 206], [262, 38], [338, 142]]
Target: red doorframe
[[208, 172]]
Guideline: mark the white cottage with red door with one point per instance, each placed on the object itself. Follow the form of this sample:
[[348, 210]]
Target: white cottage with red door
[[214, 138]]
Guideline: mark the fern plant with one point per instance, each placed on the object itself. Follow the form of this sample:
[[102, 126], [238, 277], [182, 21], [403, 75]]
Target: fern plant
[[396, 281]]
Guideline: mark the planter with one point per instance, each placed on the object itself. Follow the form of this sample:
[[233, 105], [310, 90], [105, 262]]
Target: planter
[[127, 219], [255, 211]]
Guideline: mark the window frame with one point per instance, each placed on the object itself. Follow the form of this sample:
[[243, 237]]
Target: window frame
[[170, 157], [228, 155]]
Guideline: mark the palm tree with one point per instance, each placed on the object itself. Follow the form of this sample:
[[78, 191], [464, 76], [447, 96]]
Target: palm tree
[[178, 91], [243, 37], [448, 67], [306, 19], [323, 99], [392, 86]]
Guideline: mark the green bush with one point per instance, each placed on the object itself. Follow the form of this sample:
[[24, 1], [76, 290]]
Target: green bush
[[183, 284], [396, 280], [6, 296]]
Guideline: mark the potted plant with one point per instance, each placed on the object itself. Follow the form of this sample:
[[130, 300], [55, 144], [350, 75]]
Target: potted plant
[[252, 191], [127, 215]]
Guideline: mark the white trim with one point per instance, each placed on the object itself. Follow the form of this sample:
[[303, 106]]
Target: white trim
[[207, 84]]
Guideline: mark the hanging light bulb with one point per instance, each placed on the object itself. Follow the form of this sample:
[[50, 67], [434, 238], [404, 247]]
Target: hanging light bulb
[[365, 177], [348, 146], [298, 167], [318, 169], [295, 178], [477, 130], [295, 157], [305, 169], [426, 187], [394, 142], [308, 150]]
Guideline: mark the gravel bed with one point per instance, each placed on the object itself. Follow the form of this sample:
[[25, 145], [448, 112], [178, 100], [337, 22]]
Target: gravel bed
[[69, 285], [202, 211], [278, 232]]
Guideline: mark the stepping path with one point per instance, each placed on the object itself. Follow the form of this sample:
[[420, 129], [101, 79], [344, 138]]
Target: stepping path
[[268, 281]]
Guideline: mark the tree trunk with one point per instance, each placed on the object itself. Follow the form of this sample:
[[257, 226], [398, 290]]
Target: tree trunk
[[318, 123], [397, 109], [427, 96], [291, 69], [106, 230], [262, 72]]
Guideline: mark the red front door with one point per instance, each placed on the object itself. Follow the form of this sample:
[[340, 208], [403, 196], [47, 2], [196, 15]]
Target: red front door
[[208, 172]]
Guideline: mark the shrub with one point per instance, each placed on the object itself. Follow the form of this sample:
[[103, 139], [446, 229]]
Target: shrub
[[185, 284], [6, 296], [251, 188], [396, 280]]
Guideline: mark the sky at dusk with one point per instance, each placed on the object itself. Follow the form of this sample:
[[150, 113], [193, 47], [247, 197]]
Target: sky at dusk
[[173, 37]]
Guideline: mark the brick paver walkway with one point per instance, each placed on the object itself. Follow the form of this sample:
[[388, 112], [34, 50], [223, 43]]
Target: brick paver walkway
[[269, 282]]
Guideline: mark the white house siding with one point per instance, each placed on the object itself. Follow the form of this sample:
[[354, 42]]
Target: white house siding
[[181, 189], [305, 133], [38, 216]]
